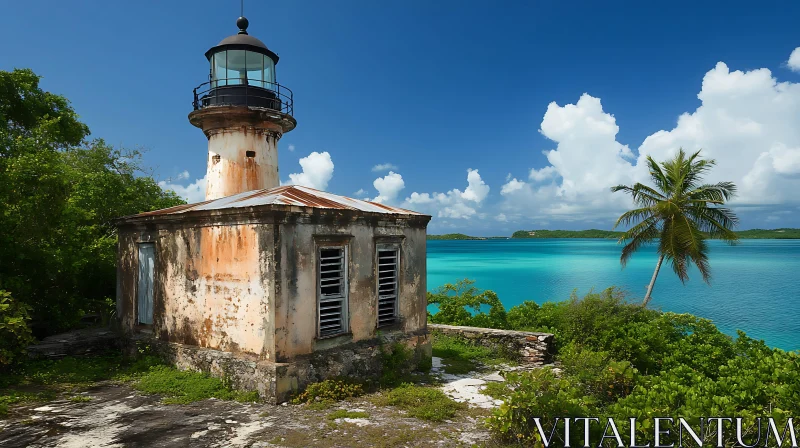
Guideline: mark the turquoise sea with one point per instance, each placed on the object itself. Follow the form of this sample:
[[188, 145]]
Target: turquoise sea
[[755, 285]]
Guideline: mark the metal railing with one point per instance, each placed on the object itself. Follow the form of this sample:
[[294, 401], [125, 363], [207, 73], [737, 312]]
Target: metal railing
[[244, 92]]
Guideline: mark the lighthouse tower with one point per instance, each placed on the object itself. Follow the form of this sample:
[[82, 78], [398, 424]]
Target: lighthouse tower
[[243, 112]]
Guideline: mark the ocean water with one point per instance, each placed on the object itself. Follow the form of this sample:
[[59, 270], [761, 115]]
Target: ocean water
[[755, 285]]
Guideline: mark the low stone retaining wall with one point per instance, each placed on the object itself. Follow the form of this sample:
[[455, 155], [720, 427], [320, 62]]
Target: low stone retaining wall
[[277, 382], [526, 347]]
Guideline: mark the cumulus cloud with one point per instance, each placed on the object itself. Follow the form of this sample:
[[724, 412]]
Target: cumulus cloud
[[194, 192], [794, 60], [384, 167], [455, 204], [317, 171], [747, 121], [388, 187]]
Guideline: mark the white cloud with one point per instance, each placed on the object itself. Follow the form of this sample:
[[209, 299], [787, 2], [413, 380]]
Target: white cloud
[[388, 187], [512, 186], [542, 174], [455, 204], [794, 60], [360, 193], [194, 192], [501, 218], [384, 167], [747, 121], [317, 171], [291, 148]]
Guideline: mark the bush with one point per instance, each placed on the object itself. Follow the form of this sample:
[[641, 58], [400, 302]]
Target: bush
[[329, 391], [619, 359], [539, 393], [15, 334], [464, 304]]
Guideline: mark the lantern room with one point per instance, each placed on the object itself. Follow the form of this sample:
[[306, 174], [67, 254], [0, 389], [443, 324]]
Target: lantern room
[[242, 73]]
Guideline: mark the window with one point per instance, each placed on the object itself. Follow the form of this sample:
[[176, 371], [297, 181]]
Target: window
[[388, 268], [332, 291]]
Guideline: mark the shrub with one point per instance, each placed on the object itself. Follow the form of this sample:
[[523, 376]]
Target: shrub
[[425, 403], [539, 393], [464, 304], [329, 390], [15, 334], [619, 359]]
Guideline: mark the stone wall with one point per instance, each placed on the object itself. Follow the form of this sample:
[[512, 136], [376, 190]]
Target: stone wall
[[277, 382], [526, 347]]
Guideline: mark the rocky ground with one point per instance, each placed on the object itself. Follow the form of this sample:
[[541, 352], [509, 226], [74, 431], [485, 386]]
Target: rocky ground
[[114, 415]]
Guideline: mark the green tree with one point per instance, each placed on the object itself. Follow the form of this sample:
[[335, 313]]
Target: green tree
[[679, 213], [59, 196]]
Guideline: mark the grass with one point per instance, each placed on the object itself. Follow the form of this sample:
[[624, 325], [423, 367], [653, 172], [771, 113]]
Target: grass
[[344, 413], [425, 403], [459, 357], [181, 387], [46, 380], [80, 399]]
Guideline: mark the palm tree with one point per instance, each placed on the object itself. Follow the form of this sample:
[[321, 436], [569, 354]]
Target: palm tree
[[680, 212]]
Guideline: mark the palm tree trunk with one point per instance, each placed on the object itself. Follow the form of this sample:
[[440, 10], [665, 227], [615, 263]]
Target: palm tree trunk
[[653, 281]]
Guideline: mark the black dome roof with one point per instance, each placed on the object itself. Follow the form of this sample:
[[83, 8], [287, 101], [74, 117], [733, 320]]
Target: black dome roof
[[242, 41]]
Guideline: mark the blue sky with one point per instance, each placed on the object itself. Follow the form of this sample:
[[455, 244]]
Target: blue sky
[[438, 88]]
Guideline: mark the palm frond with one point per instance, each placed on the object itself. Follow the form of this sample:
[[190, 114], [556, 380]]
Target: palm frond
[[641, 194], [637, 236], [634, 216], [717, 193]]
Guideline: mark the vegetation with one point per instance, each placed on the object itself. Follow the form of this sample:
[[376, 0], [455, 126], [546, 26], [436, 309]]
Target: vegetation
[[15, 335], [778, 234], [180, 387], [622, 360], [677, 213], [344, 413], [453, 236], [329, 391], [60, 194], [459, 357], [461, 236], [426, 403], [45, 380], [591, 233]]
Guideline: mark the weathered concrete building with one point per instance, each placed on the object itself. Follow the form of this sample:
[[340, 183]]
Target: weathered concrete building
[[271, 286]]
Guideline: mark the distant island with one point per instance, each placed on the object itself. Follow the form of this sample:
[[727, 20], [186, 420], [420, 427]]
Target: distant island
[[591, 233], [461, 236], [758, 234], [782, 234]]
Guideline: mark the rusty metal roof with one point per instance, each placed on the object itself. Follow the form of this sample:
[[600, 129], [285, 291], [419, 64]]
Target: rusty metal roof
[[285, 195]]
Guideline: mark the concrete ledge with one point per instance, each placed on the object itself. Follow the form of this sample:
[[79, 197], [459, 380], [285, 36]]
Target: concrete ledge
[[526, 347], [85, 342]]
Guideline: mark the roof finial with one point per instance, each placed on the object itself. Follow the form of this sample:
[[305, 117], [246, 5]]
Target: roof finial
[[242, 23]]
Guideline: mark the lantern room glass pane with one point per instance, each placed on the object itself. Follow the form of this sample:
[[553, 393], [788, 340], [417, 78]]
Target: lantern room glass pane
[[218, 69], [269, 73], [237, 67], [255, 69]]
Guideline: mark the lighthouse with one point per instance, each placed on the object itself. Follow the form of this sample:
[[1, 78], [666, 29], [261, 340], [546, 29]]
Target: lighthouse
[[243, 112], [271, 287]]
